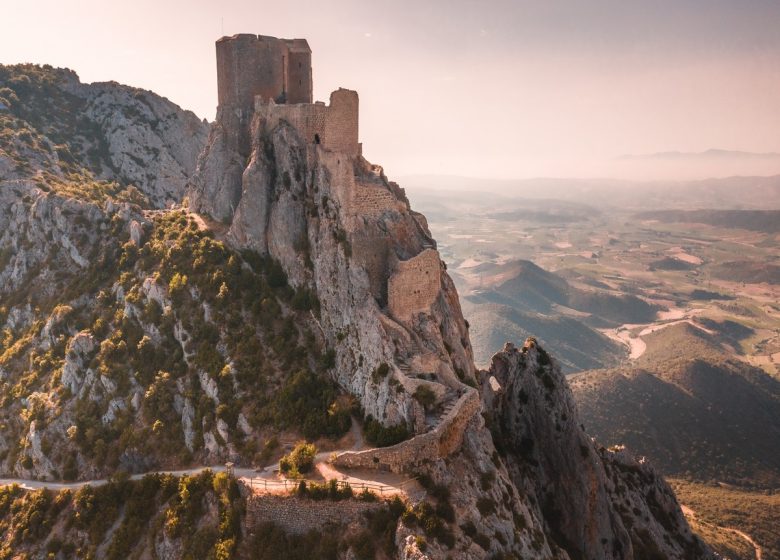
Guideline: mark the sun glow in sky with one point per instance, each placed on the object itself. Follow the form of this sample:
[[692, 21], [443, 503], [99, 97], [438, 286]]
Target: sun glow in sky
[[490, 88]]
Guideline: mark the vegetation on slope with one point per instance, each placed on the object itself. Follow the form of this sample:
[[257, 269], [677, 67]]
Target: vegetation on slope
[[692, 411], [198, 515], [182, 319], [754, 513]]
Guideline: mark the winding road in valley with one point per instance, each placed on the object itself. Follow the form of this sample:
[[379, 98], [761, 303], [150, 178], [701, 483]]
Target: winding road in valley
[[757, 547]]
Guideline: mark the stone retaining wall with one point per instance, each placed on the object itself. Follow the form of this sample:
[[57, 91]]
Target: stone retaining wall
[[439, 442], [415, 285], [300, 515]]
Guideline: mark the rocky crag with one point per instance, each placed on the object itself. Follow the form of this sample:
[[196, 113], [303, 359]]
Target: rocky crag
[[343, 231], [129, 330]]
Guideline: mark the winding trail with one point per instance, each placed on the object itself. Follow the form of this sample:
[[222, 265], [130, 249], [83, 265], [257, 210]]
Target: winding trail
[[267, 480], [688, 512]]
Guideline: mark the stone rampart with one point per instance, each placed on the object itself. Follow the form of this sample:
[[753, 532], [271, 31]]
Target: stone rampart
[[333, 127], [414, 287], [373, 200], [300, 515], [443, 440]]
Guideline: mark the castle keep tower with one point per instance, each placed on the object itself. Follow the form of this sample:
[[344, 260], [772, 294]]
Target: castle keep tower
[[271, 77], [274, 69]]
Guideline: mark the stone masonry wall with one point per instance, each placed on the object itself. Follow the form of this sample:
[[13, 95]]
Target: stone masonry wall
[[334, 126], [256, 65], [415, 285], [443, 440], [299, 78], [300, 515], [373, 200]]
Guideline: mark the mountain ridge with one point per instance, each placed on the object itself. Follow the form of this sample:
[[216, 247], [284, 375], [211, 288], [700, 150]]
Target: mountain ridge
[[137, 334]]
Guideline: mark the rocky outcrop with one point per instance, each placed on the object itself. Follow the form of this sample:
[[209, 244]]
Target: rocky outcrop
[[191, 361], [113, 132], [586, 495], [292, 199]]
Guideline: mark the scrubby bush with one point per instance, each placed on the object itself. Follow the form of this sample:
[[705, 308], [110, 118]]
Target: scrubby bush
[[425, 396], [299, 461], [380, 436]]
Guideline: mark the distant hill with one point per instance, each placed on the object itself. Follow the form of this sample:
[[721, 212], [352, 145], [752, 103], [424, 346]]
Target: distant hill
[[751, 272], [577, 346], [519, 299], [527, 286], [689, 408], [705, 155], [765, 221]]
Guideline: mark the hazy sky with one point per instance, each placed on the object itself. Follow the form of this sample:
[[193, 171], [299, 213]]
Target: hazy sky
[[494, 88]]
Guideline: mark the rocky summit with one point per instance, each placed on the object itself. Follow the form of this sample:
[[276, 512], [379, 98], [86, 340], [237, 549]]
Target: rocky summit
[[176, 294]]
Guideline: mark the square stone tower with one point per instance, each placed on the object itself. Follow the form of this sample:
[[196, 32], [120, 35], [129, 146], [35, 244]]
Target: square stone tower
[[277, 70]]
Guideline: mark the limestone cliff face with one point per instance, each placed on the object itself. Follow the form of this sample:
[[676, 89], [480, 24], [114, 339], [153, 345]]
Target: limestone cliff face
[[340, 228], [595, 503], [143, 339], [115, 132], [525, 482]]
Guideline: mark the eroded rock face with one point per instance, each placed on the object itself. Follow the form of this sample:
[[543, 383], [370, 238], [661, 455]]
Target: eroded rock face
[[150, 142], [584, 493], [115, 132], [340, 229]]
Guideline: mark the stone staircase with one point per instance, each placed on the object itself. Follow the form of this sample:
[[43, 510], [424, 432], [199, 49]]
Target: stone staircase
[[448, 403]]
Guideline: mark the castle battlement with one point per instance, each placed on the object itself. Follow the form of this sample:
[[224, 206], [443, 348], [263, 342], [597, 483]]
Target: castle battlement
[[334, 126], [272, 78]]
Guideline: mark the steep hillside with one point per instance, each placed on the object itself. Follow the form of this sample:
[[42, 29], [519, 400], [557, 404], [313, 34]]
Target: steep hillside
[[298, 292], [689, 408], [721, 509], [62, 134]]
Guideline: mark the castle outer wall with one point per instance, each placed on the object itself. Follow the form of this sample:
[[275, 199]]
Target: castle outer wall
[[334, 126]]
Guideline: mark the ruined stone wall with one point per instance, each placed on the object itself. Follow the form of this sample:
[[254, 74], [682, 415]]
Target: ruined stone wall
[[341, 127], [299, 515], [299, 78], [415, 285], [334, 127], [443, 440], [372, 200], [248, 65]]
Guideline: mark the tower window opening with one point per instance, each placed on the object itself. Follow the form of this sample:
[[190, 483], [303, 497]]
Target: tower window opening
[[316, 138]]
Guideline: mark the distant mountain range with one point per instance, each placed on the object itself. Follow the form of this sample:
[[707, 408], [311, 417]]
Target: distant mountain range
[[706, 155]]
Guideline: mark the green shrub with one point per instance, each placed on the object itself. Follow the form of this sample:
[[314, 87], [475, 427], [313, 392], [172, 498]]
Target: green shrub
[[380, 436], [299, 461], [425, 396]]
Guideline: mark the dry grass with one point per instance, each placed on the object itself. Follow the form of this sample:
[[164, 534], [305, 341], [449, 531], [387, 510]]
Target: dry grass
[[755, 513]]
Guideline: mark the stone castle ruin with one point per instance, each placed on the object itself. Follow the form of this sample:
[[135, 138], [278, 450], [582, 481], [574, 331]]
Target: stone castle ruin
[[273, 78], [250, 66], [266, 91], [270, 78]]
